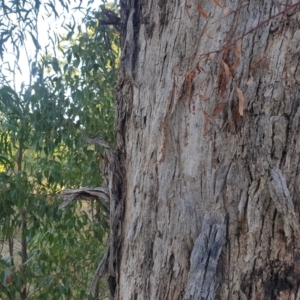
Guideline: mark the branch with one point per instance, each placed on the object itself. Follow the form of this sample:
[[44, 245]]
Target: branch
[[112, 19], [97, 142], [69, 195], [285, 11], [100, 272]]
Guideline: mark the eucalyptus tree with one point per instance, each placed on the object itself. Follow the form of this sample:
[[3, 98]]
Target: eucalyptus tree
[[49, 253], [207, 206]]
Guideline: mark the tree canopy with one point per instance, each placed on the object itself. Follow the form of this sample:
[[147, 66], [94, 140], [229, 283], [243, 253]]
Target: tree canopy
[[48, 253]]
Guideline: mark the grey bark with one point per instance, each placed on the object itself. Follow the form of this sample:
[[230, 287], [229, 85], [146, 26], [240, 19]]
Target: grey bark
[[207, 203], [203, 278]]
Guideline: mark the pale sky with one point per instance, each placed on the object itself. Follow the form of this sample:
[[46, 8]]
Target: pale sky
[[46, 28]]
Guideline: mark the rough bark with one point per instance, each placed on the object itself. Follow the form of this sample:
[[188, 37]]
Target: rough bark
[[208, 118]]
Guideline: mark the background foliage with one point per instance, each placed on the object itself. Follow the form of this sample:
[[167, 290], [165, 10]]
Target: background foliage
[[48, 253]]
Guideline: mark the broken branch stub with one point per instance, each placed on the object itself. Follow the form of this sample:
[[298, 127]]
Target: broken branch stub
[[70, 195]]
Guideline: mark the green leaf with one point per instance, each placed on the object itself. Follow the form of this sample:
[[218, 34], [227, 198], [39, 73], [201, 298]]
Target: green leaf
[[35, 41], [55, 65]]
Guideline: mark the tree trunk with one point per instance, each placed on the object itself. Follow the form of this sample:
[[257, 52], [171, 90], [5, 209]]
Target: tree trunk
[[208, 140]]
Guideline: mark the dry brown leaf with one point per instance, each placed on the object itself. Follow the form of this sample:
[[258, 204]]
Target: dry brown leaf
[[202, 12], [250, 81], [226, 11], [169, 100], [217, 3], [241, 101], [237, 52], [9, 279], [238, 48], [227, 72], [219, 109], [188, 83]]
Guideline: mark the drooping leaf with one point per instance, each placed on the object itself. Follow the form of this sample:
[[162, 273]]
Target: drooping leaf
[[217, 3], [219, 109], [201, 11], [35, 41], [241, 101]]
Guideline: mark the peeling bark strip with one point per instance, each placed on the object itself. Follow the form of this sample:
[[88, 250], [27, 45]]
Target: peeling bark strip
[[102, 271], [284, 203], [203, 278]]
